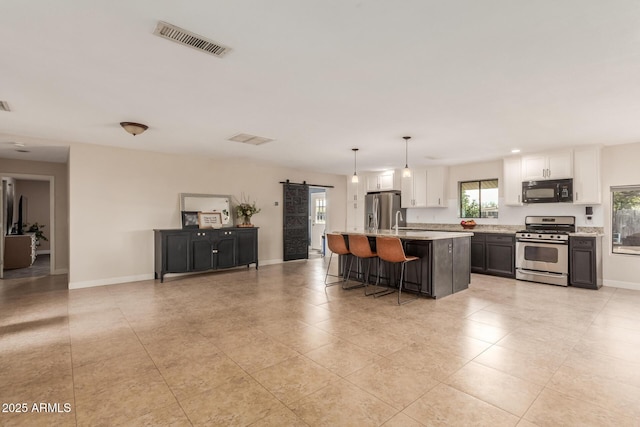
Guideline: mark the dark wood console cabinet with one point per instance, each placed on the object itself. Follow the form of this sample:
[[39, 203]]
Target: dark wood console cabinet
[[494, 254], [585, 262], [192, 250]]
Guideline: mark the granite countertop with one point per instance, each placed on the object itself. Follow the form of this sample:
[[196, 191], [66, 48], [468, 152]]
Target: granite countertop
[[586, 234], [479, 228], [409, 234], [497, 229]]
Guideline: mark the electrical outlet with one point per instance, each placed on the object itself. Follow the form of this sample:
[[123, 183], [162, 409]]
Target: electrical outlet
[[275, 203]]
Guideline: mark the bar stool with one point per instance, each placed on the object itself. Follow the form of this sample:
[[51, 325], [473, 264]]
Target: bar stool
[[390, 249], [360, 247], [337, 245]]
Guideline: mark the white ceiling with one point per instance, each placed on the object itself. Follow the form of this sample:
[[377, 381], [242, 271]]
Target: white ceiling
[[469, 80]]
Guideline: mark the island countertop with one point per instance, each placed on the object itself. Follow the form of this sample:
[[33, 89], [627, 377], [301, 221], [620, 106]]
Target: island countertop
[[407, 234]]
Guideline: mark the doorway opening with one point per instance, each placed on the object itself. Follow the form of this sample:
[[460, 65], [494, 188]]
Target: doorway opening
[[317, 221], [27, 246]]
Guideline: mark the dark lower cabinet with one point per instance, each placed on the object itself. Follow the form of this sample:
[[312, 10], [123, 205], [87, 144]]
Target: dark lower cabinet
[[247, 246], [183, 251], [176, 244], [478, 249], [494, 254], [585, 255]]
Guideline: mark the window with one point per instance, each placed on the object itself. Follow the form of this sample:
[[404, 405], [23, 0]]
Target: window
[[321, 210], [479, 199], [625, 220]]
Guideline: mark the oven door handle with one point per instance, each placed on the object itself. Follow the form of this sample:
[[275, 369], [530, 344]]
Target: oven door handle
[[541, 273], [554, 242]]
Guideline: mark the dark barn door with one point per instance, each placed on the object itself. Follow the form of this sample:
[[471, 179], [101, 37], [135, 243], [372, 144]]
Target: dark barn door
[[296, 221]]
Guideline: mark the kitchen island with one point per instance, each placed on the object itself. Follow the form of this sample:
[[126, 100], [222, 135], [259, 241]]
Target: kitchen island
[[443, 268]]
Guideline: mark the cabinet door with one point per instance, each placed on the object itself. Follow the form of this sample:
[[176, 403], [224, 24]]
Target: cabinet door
[[534, 168], [373, 182], [406, 200], [512, 181], [386, 181], [436, 187], [247, 246], [540, 167], [500, 255], [478, 243], [176, 252], [202, 251], [586, 180], [582, 262], [355, 203], [461, 259], [560, 165], [225, 249], [442, 264], [420, 188]]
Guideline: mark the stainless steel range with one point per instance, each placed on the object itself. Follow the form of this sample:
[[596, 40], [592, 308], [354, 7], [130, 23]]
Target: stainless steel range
[[542, 250]]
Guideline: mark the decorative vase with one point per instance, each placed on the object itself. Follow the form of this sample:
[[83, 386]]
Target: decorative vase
[[246, 222]]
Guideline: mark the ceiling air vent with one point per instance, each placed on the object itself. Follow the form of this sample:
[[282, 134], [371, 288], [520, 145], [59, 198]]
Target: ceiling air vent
[[250, 139], [187, 38], [4, 106]]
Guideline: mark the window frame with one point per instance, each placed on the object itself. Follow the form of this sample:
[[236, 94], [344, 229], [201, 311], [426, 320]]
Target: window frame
[[479, 182], [616, 235]]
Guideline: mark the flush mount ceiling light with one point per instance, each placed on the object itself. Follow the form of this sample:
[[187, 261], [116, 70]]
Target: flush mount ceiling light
[[354, 178], [406, 172], [134, 128]]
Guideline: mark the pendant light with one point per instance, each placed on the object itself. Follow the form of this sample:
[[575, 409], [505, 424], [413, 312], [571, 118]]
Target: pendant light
[[406, 172], [354, 178]]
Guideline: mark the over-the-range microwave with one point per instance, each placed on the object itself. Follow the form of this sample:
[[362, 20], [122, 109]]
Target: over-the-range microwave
[[552, 191]]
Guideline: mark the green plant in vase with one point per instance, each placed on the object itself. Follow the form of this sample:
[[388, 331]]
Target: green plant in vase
[[246, 210], [37, 230]]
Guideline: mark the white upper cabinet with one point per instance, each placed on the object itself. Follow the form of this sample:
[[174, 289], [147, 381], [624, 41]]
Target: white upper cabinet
[[381, 181], [586, 181], [355, 203], [437, 181], [512, 181], [540, 167], [414, 189]]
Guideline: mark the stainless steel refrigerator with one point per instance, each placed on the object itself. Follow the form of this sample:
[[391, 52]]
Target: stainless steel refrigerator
[[380, 210]]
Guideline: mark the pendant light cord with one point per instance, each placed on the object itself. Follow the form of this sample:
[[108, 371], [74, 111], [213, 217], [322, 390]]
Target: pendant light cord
[[406, 151]]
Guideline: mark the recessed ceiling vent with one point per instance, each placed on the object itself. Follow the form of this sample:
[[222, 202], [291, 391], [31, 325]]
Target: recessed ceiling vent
[[250, 139], [4, 106], [187, 38]]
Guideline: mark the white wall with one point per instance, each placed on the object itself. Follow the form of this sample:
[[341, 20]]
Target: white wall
[[508, 215], [620, 166], [118, 196]]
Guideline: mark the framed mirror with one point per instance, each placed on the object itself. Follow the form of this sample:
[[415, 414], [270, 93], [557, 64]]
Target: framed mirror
[[192, 202]]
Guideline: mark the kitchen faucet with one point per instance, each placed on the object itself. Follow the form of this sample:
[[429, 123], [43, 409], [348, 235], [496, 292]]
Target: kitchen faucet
[[401, 219]]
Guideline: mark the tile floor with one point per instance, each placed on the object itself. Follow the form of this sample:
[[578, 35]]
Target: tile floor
[[273, 348]]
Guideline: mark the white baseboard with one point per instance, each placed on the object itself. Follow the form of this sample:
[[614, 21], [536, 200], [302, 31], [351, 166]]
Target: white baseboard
[[270, 261], [622, 285], [60, 271], [43, 252], [151, 276], [110, 281]]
